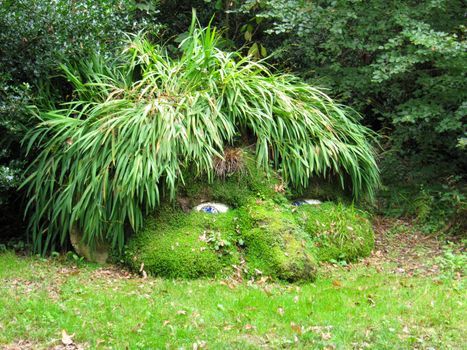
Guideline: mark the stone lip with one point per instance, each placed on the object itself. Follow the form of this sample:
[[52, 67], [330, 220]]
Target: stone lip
[[299, 202], [98, 254], [211, 208]]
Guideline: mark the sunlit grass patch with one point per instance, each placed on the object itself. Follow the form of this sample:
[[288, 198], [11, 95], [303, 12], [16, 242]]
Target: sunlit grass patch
[[346, 309]]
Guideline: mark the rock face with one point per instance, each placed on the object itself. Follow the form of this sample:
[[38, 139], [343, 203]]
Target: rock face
[[99, 254]]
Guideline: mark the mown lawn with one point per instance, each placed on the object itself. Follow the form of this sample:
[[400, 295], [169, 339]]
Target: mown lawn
[[365, 306]]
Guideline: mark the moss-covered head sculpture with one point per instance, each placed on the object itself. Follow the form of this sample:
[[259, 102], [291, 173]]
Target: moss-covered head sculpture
[[136, 125], [262, 234]]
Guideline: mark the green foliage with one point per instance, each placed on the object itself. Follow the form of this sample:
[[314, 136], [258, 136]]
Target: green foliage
[[339, 233], [35, 35], [406, 73], [10, 178], [120, 141], [13, 117], [453, 262], [437, 209]]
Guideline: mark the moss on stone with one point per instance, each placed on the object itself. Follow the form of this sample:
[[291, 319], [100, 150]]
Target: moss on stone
[[262, 231], [179, 245], [276, 245], [328, 189], [188, 245], [338, 232]]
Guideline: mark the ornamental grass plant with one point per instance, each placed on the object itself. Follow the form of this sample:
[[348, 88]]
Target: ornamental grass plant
[[134, 125]]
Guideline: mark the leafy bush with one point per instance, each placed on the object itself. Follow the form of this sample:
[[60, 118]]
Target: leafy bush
[[405, 73], [339, 233], [453, 263], [121, 141], [13, 118], [35, 35], [435, 208]]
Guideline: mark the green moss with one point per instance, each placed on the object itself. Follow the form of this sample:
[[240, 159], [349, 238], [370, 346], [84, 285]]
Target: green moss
[[261, 231], [329, 189], [338, 232], [236, 190], [276, 245], [175, 244], [190, 245]]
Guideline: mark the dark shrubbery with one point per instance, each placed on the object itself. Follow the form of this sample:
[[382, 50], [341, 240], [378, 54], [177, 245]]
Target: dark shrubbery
[[401, 63], [35, 37]]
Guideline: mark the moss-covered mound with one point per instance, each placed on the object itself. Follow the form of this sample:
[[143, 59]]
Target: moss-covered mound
[[276, 245], [259, 234], [262, 234], [261, 238], [338, 232], [187, 245]]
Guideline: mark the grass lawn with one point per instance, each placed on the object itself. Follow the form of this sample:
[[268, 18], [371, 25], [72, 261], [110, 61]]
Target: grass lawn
[[380, 303]]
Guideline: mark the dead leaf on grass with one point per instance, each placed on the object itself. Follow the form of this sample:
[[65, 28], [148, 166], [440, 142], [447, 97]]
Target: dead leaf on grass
[[296, 328], [249, 327], [200, 344], [337, 283], [66, 338]]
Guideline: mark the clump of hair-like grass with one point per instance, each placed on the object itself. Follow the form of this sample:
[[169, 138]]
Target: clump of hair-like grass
[[109, 154]]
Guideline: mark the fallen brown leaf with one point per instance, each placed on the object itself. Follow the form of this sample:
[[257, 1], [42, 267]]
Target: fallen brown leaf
[[66, 338]]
